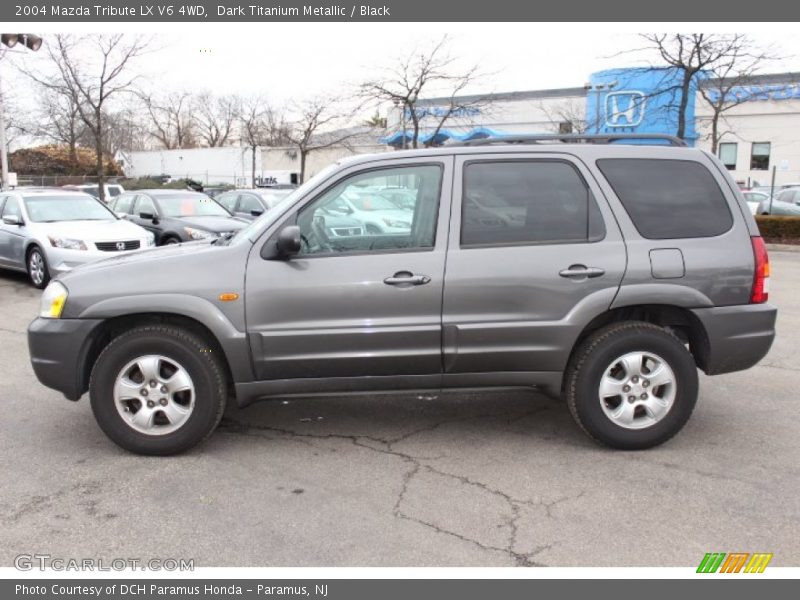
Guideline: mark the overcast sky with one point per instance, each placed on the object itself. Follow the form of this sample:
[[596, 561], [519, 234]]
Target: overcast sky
[[294, 60]]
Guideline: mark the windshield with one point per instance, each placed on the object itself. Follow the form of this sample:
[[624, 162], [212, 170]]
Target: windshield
[[49, 209], [195, 205], [370, 202], [254, 229]]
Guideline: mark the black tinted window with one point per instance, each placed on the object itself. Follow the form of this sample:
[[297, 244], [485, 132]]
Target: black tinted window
[[668, 198], [524, 202]]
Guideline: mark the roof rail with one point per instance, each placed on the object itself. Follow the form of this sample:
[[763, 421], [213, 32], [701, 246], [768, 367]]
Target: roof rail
[[573, 138]]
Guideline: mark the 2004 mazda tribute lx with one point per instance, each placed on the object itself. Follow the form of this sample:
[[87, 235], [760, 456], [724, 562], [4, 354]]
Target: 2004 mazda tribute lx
[[605, 272]]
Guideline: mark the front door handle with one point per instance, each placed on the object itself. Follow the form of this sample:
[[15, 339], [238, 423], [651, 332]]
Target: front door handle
[[581, 272], [406, 278]]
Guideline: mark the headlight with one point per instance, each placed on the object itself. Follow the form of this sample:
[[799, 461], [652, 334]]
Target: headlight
[[198, 234], [53, 299], [67, 243], [393, 223]]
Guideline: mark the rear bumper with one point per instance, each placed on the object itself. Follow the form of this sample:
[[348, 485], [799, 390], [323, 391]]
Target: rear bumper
[[58, 349], [737, 337]]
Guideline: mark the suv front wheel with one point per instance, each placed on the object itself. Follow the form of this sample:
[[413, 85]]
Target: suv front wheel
[[158, 390], [631, 385]]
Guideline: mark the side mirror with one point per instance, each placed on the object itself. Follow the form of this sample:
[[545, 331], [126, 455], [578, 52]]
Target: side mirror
[[256, 213], [286, 244], [149, 217], [16, 220], [122, 215], [289, 241]]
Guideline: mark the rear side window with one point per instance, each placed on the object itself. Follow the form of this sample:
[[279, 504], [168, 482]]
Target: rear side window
[[527, 202], [124, 204], [668, 199]]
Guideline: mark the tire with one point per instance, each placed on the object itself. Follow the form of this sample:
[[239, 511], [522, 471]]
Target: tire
[[595, 374], [197, 411], [169, 241], [38, 273]]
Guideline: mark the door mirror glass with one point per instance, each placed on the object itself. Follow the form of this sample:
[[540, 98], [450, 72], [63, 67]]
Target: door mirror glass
[[289, 242], [147, 215]]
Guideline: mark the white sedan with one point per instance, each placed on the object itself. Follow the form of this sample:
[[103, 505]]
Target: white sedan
[[49, 231]]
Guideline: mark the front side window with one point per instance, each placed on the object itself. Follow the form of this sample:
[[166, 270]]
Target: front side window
[[228, 201], [353, 216], [727, 154], [144, 204], [248, 203], [527, 202], [124, 204], [50, 209], [759, 158], [11, 208], [668, 199]]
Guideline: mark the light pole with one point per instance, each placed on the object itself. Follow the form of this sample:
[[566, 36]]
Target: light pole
[[598, 89], [32, 42]]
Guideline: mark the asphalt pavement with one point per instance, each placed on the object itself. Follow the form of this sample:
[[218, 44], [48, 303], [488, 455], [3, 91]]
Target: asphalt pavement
[[499, 479]]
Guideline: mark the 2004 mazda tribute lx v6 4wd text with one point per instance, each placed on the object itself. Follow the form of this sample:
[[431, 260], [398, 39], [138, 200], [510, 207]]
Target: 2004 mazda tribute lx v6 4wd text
[[601, 271]]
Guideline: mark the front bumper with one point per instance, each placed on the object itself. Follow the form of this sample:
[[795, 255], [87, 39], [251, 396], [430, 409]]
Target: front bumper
[[737, 337], [58, 350]]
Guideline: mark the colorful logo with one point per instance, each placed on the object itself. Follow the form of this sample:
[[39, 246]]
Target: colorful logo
[[735, 562]]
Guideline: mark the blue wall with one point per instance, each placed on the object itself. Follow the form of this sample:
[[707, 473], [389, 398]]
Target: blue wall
[[640, 100]]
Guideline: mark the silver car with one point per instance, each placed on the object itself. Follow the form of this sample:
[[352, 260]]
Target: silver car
[[45, 232]]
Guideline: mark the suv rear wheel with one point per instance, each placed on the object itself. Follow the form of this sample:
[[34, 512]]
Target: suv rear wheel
[[157, 390], [632, 385]]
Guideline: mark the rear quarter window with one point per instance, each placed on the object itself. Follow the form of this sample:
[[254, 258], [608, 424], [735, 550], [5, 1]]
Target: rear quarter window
[[668, 199]]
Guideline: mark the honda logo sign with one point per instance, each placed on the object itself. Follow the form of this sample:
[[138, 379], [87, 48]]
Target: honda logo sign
[[625, 109]]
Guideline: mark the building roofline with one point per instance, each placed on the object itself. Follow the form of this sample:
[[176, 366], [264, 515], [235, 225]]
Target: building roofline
[[765, 78], [524, 95]]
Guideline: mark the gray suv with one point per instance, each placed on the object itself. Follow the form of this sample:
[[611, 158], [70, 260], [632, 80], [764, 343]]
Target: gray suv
[[604, 270]]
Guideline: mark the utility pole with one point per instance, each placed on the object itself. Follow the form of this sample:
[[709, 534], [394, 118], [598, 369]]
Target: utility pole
[[32, 42]]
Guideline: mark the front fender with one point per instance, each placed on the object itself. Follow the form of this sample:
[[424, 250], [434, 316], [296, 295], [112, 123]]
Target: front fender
[[234, 342]]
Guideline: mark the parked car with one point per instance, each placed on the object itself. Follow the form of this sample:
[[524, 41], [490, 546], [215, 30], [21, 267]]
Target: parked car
[[634, 266], [786, 203], [112, 189], [378, 215], [755, 200], [175, 216], [46, 232], [251, 203]]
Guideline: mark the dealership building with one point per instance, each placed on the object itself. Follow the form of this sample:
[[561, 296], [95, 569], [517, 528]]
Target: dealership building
[[759, 133]]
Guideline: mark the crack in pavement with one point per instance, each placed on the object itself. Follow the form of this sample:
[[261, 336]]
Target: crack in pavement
[[386, 446]]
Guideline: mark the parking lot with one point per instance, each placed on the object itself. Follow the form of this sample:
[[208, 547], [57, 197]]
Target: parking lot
[[500, 479]]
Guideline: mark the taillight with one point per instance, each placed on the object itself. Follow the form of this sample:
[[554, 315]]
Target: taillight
[[760, 291]]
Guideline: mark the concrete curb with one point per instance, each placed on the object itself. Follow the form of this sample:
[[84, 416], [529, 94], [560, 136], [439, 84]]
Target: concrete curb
[[783, 247]]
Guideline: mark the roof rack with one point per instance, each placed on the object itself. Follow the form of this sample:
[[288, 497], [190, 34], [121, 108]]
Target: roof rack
[[573, 138]]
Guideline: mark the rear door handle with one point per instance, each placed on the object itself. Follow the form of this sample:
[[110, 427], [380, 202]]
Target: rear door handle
[[406, 278], [581, 272]]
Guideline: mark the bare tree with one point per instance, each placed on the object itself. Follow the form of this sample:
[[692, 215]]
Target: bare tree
[[433, 72], [215, 118], [93, 70], [317, 125], [171, 120], [693, 54], [731, 72], [59, 120], [259, 125], [568, 116]]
